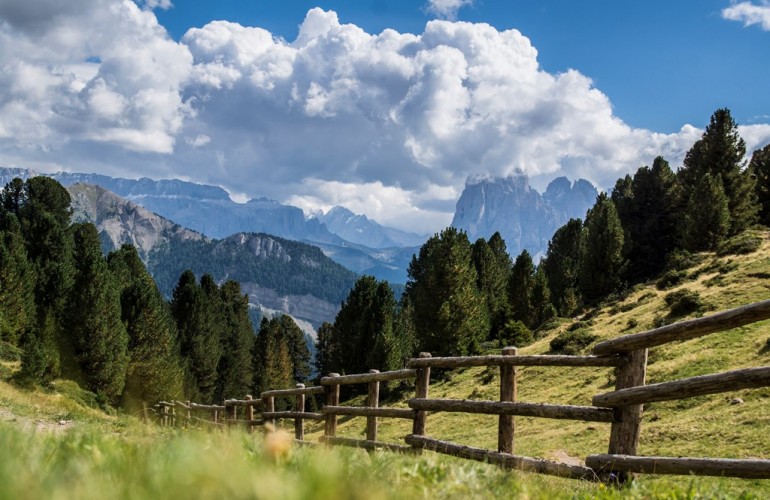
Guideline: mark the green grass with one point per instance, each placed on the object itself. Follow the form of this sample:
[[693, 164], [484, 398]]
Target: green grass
[[57, 443]]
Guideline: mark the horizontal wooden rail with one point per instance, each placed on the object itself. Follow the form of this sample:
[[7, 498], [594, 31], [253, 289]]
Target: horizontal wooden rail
[[196, 406], [368, 445], [358, 411], [497, 360], [242, 402], [504, 460], [364, 378], [746, 468], [747, 378], [586, 413], [292, 392], [244, 422], [686, 330], [292, 414]]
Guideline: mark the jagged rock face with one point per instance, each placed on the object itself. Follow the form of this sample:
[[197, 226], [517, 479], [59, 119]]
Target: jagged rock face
[[359, 229], [524, 218], [120, 221], [306, 307]]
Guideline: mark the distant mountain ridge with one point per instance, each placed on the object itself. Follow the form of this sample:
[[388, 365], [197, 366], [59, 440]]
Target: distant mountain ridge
[[359, 229], [525, 218]]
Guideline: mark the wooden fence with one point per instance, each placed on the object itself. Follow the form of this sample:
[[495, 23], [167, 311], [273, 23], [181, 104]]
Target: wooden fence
[[622, 408]]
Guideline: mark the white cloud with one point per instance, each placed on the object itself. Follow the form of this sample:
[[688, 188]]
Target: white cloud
[[446, 9], [749, 13], [389, 124], [157, 4]]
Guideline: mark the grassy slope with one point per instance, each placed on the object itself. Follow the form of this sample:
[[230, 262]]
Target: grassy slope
[[59, 447], [706, 426]]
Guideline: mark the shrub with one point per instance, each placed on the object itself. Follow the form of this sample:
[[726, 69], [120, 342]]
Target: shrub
[[683, 302], [632, 323], [9, 352], [515, 333], [679, 260], [738, 245], [572, 341], [670, 279]]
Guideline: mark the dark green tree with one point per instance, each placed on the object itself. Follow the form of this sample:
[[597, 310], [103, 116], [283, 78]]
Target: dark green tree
[[199, 341], [707, 216], [540, 299], [520, 288], [562, 266], [327, 348], [272, 362], [759, 168], [449, 313], [721, 152], [602, 263], [17, 283], [235, 375], [154, 371], [493, 267], [101, 340], [299, 354]]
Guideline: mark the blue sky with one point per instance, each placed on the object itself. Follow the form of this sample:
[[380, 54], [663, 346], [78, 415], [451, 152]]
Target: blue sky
[[383, 107]]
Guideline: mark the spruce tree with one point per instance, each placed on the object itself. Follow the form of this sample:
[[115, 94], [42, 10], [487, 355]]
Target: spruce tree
[[707, 216], [493, 266], [299, 354], [101, 340], [154, 371], [562, 266], [540, 299], [601, 263], [17, 282], [327, 350], [759, 168], [272, 362], [235, 365], [721, 152], [449, 313], [199, 340], [520, 289]]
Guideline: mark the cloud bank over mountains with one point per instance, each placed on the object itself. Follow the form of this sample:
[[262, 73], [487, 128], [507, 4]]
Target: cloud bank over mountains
[[387, 124]]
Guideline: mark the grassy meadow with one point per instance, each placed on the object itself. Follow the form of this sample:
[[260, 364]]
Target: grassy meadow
[[56, 443]]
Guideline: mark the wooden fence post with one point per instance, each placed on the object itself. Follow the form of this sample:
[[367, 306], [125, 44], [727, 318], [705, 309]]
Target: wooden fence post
[[373, 401], [173, 416], [332, 399], [505, 425], [163, 415], [299, 424], [624, 433], [269, 407], [215, 416], [250, 412], [421, 391], [189, 414]]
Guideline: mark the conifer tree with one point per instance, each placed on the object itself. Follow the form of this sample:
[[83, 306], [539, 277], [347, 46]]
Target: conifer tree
[[520, 288], [562, 266], [272, 362], [493, 266], [542, 309], [101, 339], [602, 263], [707, 216], [759, 168], [721, 152], [299, 354], [449, 313], [235, 365], [199, 340], [17, 281], [327, 350], [154, 371]]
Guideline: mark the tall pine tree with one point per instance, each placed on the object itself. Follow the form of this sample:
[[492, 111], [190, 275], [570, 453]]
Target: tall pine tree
[[493, 266], [759, 167], [520, 288], [562, 266], [601, 263], [707, 216]]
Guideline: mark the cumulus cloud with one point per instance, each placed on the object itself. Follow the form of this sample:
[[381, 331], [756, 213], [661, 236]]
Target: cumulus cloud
[[446, 9], [157, 4], [749, 14], [387, 124]]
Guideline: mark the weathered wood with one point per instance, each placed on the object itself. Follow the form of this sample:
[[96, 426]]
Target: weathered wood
[[250, 412], [625, 432], [189, 413], [241, 402], [182, 405], [332, 399], [373, 402], [498, 360], [268, 406], [196, 406], [299, 423], [503, 460], [365, 411], [686, 330], [365, 378], [747, 378], [304, 415], [505, 423], [365, 444], [727, 467], [421, 392], [542, 410], [293, 392]]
